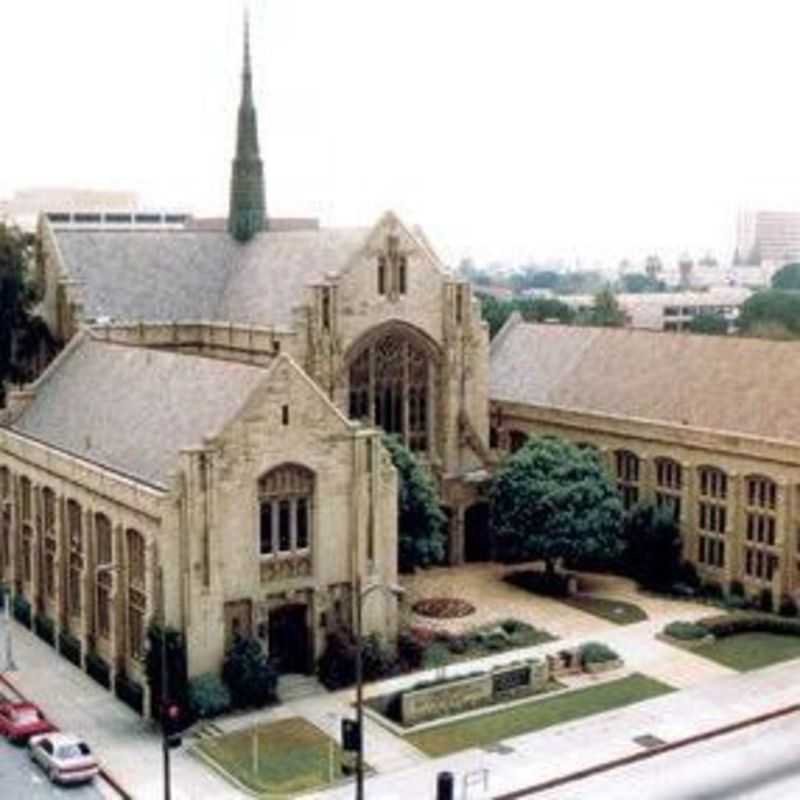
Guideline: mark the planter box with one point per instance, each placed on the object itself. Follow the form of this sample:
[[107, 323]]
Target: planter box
[[70, 648], [602, 666]]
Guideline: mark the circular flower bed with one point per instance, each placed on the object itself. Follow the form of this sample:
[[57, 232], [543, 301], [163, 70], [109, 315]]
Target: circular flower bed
[[443, 607]]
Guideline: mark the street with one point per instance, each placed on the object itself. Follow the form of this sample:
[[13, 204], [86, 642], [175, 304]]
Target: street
[[759, 763], [20, 778]]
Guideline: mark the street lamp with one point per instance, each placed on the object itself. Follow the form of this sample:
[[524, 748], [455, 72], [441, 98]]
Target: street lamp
[[361, 596]]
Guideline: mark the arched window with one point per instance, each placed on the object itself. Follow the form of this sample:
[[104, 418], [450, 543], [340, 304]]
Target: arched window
[[50, 541], [712, 516], [105, 557], [26, 497], [75, 562], [669, 485], [761, 554], [390, 383], [627, 469], [285, 498], [137, 599]]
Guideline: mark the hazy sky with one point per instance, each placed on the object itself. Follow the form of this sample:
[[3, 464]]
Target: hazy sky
[[508, 128]]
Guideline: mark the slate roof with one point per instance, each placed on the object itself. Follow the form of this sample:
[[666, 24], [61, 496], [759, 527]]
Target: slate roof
[[727, 384], [157, 276], [133, 409]]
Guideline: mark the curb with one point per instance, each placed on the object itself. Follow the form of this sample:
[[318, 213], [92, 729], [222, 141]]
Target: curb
[[104, 774], [656, 751]]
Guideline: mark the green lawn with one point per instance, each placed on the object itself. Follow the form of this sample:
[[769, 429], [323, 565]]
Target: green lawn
[[616, 611], [293, 756], [747, 651], [493, 727]]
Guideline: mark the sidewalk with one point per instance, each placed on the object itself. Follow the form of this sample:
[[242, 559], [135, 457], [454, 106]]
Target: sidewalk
[[563, 749]]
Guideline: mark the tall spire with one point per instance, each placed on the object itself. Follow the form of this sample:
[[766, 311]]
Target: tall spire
[[248, 213]]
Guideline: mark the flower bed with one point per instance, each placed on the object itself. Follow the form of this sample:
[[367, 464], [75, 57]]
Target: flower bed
[[443, 607]]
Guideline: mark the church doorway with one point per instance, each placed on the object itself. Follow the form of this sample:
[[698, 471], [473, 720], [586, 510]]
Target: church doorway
[[477, 536], [288, 638]]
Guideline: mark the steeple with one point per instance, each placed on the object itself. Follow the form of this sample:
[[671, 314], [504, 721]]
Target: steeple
[[248, 213]]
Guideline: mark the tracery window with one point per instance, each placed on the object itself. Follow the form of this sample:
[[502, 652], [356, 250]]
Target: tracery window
[[50, 541], [392, 267], [103, 587], [669, 485], [761, 554], [26, 492], [285, 496], [75, 563], [136, 593], [390, 387], [5, 482], [627, 469], [712, 514]]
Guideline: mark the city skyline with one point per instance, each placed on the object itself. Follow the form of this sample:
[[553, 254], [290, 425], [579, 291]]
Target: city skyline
[[510, 133]]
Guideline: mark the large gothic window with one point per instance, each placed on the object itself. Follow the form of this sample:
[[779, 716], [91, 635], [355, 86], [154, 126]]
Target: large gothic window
[[285, 505], [390, 386]]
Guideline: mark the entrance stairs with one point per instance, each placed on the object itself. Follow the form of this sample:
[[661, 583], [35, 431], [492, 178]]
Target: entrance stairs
[[293, 686]]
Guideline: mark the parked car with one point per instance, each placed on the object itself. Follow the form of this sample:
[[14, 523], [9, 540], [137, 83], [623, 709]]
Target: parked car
[[20, 721], [64, 757]]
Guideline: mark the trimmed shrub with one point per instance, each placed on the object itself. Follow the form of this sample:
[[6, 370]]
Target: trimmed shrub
[[378, 660], [596, 653], [685, 631], [98, 669], [70, 647], [765, 601], [411, 651], [45, 629], [208, 696], [550, 584], [336, 667], [712, 590], [731, 624], [458, 645], [21, 609], [788, 606], [249, 675], [736, 588], [437, 655], [130, 692]]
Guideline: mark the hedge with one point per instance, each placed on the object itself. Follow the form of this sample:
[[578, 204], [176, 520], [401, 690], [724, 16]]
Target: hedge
[[98, 669], [596, 653], [731, 624], [45, 629], [130, 692], [208, 696], [22, 610], [70, 647]]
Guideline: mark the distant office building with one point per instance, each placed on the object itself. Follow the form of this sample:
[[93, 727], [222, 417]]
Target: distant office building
[[769, 239]]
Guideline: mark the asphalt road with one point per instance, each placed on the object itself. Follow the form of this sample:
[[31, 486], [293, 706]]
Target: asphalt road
[[21, 779], [758, 763]]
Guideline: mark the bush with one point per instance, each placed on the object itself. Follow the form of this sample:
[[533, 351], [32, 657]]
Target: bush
[[336, 667], [731, 624], [735, 602], [550, 584], [712, 590], [437, 655], [652, 553], [788, 606], [687, 574], [70, 647], [45, 629], [130, 692], [596, 653], [378, 660], [251, 678], [208, 696], [22, 610], [458, 645], [736, 588], [172, 641], [685, 631], [98, 669], [765, 600], [410, 651]]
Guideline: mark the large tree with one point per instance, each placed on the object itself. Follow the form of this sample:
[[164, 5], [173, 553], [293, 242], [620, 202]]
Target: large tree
[[773, 314], [421, 537], [606, 311], [787, 277], [652, 546], [24, 339], [708, 322], [553, 500]]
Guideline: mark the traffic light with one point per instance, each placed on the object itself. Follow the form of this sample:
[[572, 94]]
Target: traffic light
[[172, 724]]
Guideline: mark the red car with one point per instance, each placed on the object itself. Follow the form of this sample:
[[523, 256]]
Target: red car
[[20, 721]]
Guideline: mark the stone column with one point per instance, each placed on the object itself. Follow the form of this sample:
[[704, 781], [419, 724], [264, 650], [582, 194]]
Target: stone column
[[688, 519], [735, 525]]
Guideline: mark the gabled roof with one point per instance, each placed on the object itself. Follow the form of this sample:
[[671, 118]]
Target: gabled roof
[[728, 384], [133, 409], [186, 275]]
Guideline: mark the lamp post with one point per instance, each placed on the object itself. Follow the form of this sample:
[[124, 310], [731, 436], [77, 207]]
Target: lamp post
[[361, 596]]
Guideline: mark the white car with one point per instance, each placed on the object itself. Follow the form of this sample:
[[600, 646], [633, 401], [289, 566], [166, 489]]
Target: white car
[[65, 758]]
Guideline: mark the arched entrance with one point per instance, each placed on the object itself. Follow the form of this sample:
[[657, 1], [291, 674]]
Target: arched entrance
[[477, 535], [392, 377], [288, 638]]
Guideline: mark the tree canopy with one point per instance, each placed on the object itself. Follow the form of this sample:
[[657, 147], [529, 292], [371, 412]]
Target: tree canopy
[[606, 310], [421, 537], [652, 546], [709, 323], [553, 500], [533, 309], [638, 282], [787, 277], [772, 313]]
